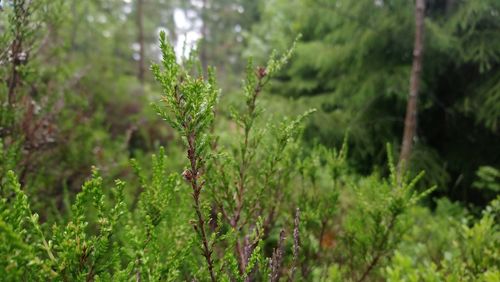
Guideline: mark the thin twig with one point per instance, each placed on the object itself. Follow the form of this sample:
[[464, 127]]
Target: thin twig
[[277, 259], [296, 244]]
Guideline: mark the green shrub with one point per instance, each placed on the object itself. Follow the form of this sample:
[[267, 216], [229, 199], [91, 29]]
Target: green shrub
[[253, 205], [450, 247]]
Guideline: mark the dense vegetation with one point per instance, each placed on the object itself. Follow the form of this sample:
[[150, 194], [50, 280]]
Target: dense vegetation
[[111, 172]]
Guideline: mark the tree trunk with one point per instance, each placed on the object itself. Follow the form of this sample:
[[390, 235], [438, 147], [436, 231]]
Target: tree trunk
[[450, 5], [15, 77], [203, 46], [411, 107], [17, 56], [140, 39]]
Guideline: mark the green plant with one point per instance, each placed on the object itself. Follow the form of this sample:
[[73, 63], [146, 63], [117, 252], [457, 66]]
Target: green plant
[[252, 205], [189, 108], [467, 251], [488, 178]]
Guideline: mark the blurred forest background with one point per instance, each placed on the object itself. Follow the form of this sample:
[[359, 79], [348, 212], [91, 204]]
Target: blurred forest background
[[86, 85], [76, 91]]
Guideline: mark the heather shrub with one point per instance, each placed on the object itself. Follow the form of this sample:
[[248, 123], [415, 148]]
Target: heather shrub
[[253, 204], [467, 250]]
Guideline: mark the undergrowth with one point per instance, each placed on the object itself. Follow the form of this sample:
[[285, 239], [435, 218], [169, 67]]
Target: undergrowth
[[254, 205]]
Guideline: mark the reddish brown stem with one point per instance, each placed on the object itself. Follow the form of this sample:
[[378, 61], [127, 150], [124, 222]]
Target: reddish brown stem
[[235, 218], [197, 187], [379, 251], [21, 13]]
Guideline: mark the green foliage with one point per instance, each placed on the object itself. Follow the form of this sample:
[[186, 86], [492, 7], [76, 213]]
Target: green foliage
[[189, 108], [353, 64], [244, 194], [467, 251], [488, 178], [379, 211], [102, 239], [50, 127]]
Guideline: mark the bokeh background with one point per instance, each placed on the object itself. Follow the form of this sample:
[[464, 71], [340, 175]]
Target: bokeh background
[[87, 85]]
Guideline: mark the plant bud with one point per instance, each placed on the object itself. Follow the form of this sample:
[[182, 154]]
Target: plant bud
[[187, 175], [261, 72]]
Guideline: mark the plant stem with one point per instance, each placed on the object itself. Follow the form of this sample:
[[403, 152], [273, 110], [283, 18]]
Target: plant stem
[[200, 228], [379, 252], [243, 166]]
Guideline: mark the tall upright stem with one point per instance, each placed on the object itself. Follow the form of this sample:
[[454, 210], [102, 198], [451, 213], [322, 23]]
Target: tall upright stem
[[411, 108], [194, 174], [204, 35], [140, 39], [21, 13]]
